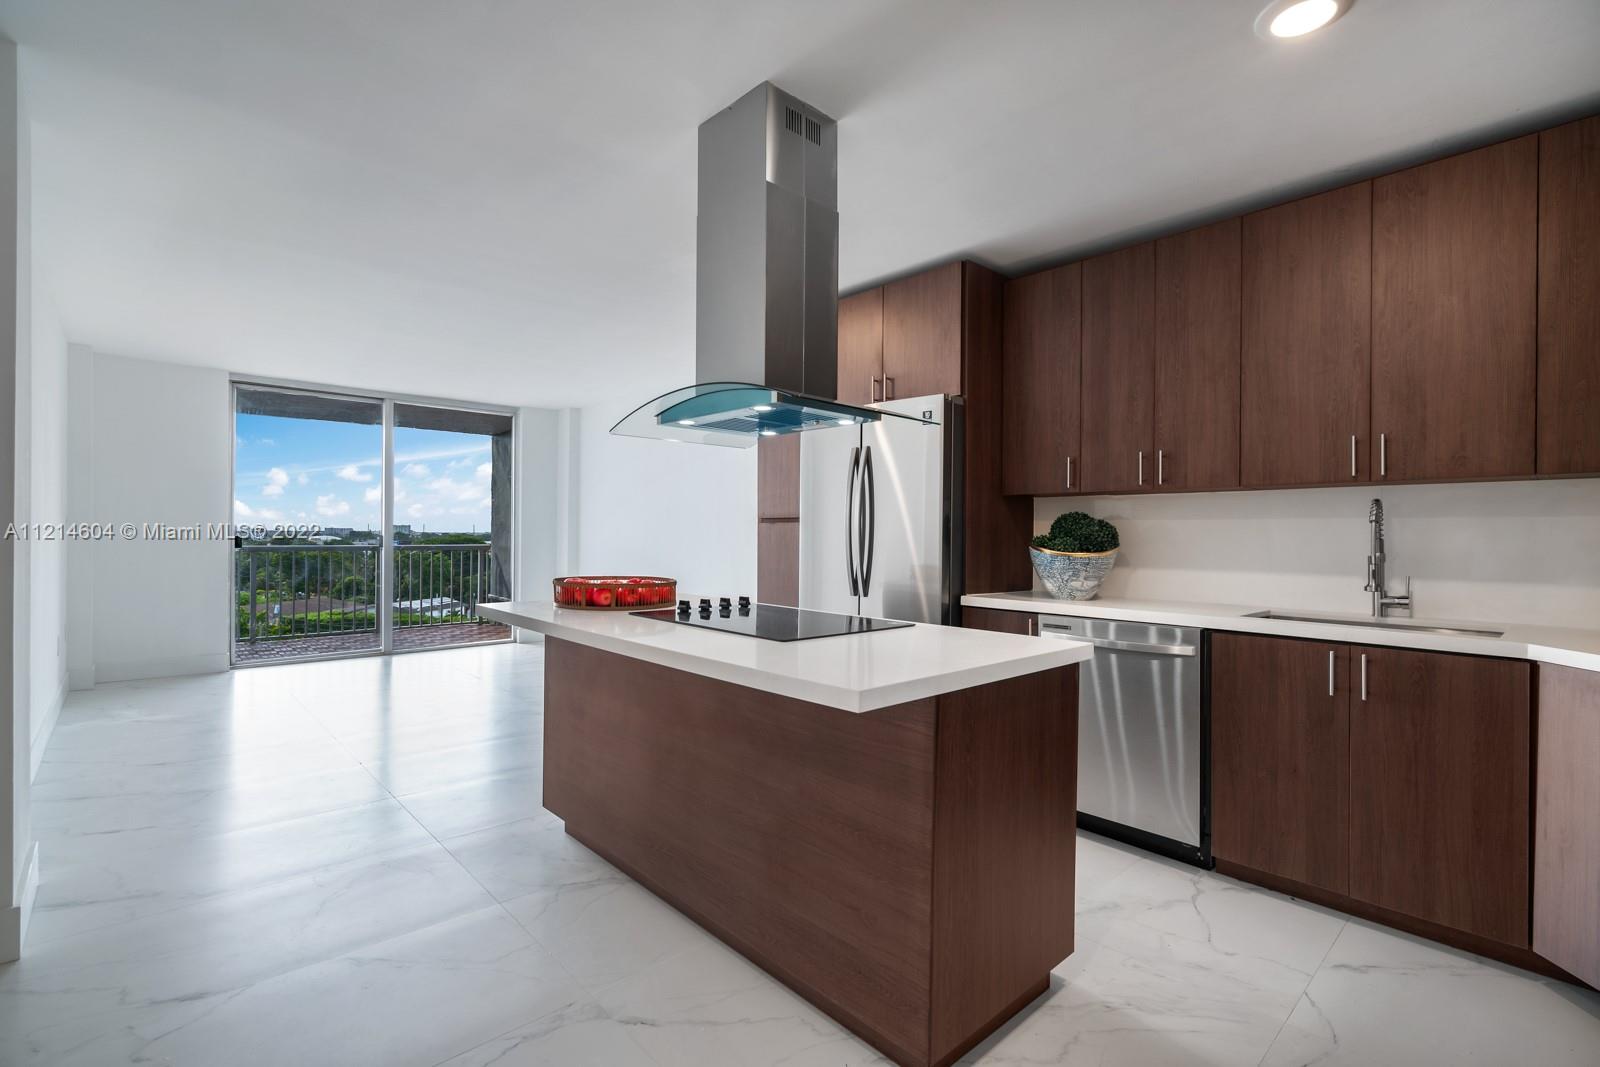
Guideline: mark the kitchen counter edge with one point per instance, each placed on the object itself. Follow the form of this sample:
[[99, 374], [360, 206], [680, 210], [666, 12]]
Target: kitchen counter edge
[[1540, 644], [905, 664]]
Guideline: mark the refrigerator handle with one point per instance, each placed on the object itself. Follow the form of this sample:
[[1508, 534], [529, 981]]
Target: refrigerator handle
[[849, 521], [869, 522]]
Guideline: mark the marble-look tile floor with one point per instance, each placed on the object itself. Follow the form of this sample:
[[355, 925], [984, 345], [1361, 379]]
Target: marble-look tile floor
[[347, 864]]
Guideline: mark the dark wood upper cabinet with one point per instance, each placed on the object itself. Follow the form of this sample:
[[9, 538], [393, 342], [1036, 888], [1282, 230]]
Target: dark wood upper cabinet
[[1439, 789], [1043, 314], [1119, 291], [861, 347], [778, 477], [1569, 298], [1566, 853], [1280, 748], [1306, 366], [1453, 315], [922, 333], [1197, 358]]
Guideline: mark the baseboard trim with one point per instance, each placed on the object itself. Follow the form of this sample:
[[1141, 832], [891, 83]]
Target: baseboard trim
[[14, 919], [41, 740], [137, 670], [79, 678]]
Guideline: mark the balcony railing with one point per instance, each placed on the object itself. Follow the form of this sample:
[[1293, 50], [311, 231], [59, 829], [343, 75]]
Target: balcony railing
[[327, 597]]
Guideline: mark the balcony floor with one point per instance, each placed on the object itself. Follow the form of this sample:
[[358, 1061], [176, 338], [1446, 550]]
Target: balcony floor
[[406, 639]]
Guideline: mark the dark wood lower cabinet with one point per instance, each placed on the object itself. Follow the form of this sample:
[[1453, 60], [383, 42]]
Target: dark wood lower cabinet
[[1397, 785], [909, 870], [1439, 789], [1280, 744], [1008, 622], [1566, 820]]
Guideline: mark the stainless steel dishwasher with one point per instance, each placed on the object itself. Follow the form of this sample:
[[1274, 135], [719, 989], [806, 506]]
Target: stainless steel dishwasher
[[1142, 734]]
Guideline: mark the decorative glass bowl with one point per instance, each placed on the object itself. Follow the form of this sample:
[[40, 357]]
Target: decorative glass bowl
[[615, 592]]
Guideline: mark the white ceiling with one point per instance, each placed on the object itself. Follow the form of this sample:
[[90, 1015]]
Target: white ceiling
[[495, 200]]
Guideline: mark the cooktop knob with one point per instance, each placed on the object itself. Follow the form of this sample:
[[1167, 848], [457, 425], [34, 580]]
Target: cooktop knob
[[744, 602], [724, 603], [683, 607], [705, 603]]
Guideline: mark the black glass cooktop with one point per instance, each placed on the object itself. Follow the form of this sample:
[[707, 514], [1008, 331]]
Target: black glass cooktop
[[773, 622]]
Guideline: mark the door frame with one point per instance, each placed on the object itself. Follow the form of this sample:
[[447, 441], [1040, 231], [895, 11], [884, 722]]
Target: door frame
[[388, 400]]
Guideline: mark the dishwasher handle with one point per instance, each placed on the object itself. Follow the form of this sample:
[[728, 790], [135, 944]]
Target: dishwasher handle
[[1120, 646]]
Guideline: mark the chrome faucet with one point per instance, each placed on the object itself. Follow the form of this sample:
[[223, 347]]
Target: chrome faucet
[[1382, 602]]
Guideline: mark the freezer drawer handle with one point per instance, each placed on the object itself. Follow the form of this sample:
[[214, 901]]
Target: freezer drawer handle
[[1123, 646]]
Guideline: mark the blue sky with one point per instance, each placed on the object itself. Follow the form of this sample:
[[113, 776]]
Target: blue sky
[[329, 473]]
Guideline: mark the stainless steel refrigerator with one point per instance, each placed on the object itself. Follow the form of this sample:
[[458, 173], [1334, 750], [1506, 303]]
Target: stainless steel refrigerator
[[879, 513]]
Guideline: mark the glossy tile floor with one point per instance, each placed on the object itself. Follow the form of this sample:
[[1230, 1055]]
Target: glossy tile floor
[[346, 863]]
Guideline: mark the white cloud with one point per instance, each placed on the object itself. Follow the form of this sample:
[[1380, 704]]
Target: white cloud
[[416, 511], [352, 472], [277, 478], [330, 506], [484, 471], [372, 495], [416, 470], [245, 515], [303, 478]]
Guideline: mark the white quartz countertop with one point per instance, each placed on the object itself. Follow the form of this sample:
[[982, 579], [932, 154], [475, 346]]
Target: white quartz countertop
[[855, 672], [1543, 644]]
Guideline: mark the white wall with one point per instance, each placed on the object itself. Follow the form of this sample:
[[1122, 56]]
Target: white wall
[[1498, 552], [18, 852], [544, 523], [160, 453], [651, 507], [47, 580]]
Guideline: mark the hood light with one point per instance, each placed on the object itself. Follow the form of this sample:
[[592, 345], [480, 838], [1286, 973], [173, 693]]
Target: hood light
[[685, 422], [1296, 18], [847, 422], [769, 433], [762, 407]]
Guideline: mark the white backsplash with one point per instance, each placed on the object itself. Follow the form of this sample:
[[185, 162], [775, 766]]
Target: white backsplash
[[1494, 551]]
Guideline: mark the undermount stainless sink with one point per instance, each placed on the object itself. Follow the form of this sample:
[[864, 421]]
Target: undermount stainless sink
[[1381, 624]]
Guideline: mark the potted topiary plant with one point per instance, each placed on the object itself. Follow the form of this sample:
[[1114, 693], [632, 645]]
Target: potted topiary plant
[[1075, 556]]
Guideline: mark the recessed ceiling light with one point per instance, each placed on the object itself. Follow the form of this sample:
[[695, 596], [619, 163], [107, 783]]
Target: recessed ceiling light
[[1296, 18]]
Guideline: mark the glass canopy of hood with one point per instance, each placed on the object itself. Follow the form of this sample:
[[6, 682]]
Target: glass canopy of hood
[[737, 415]]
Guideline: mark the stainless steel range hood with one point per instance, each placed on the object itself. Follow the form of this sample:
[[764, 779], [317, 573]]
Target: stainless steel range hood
[[766, 281]]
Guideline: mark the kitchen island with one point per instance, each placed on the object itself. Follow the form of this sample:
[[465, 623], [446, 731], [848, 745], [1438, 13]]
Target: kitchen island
[[885, 821]]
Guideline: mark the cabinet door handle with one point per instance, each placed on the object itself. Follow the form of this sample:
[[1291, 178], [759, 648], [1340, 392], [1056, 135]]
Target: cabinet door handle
[[1352, 455], [1363, 676], [1330, 671], [1383, 455], [1141, 466], [873, 390], [1033, 625], [1161, 467], [1069, 472], [888, 387]]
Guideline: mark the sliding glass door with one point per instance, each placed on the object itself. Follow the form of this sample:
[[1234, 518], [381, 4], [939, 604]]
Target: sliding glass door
[[452, 524], [366, 524]]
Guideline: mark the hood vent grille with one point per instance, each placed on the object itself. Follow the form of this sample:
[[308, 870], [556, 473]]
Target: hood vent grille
[[803, 125]]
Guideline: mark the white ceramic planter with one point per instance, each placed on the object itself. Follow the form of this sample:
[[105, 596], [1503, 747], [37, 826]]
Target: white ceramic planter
[[1072, 575]]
